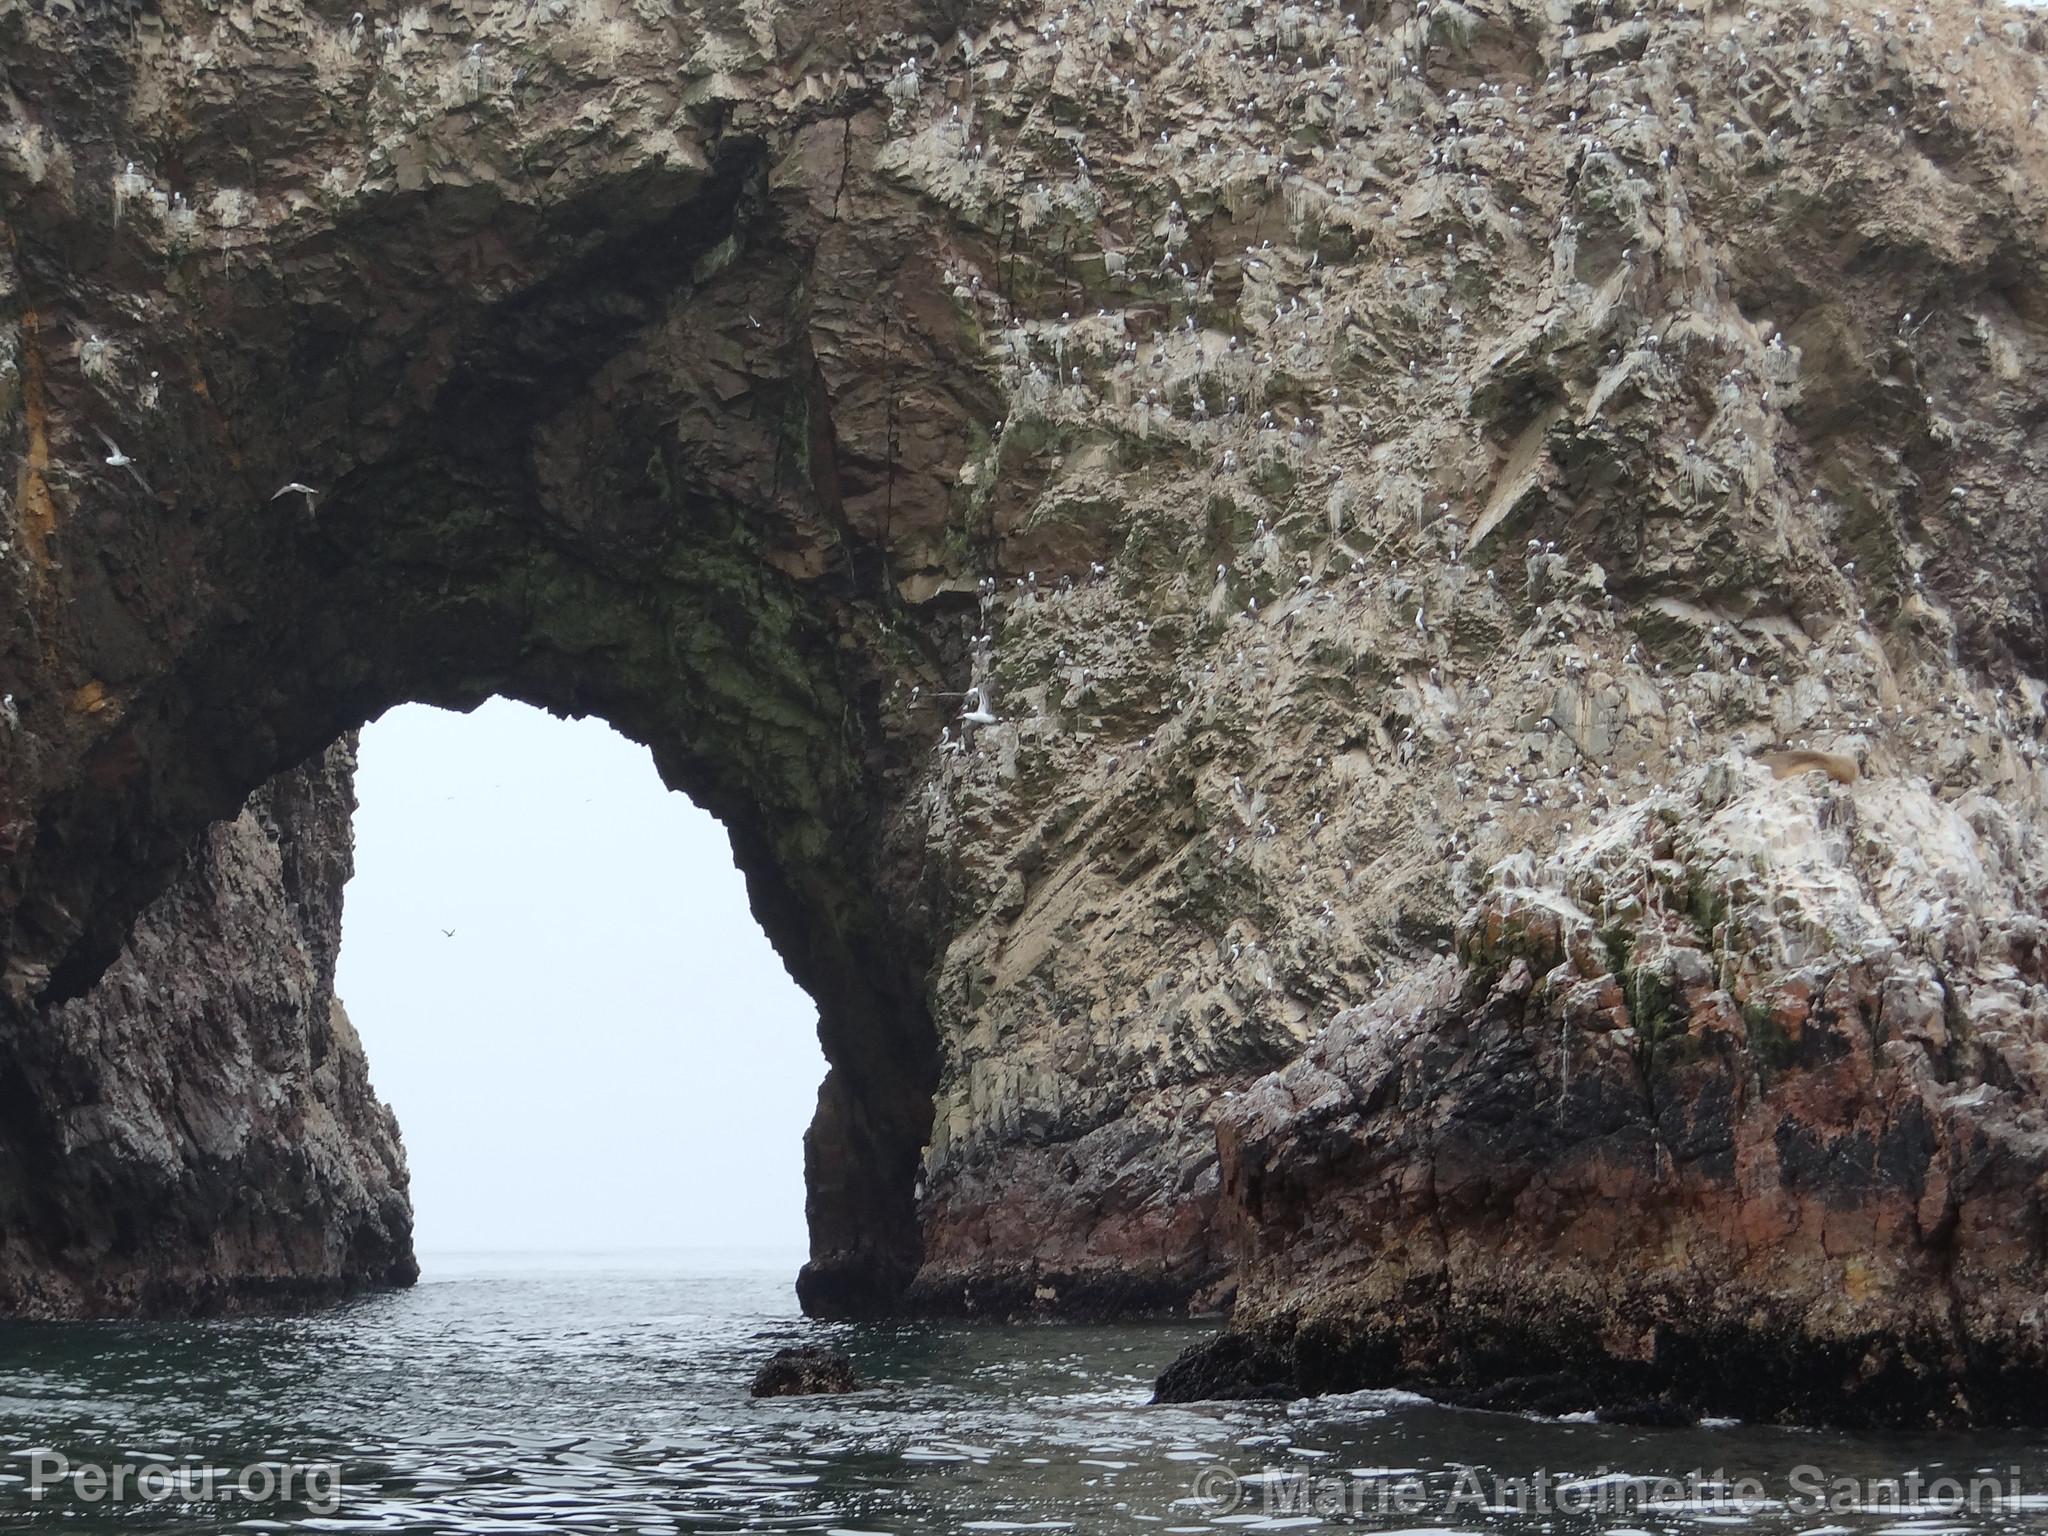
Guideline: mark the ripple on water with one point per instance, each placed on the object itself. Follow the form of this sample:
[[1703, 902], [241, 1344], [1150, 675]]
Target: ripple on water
[[615, 1401]]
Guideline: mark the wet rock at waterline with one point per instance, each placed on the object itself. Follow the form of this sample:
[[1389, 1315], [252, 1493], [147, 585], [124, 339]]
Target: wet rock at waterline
[[1387, 660], [804, 1370], [1232, 1367], [1615, 1150]]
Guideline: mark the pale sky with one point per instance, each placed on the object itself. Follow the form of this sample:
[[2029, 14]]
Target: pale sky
[[607, 1053]]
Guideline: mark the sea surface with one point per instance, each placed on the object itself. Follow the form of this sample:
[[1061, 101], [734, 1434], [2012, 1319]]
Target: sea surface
[[597, 1393]]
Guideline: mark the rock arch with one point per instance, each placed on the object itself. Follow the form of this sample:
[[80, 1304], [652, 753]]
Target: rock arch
[[651, 434]]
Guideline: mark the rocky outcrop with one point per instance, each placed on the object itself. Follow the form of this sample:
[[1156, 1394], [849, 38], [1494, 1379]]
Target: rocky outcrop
[[1353, 456], [1246, 1365], [1733, 1103], [803, 1370], [197, 1133]]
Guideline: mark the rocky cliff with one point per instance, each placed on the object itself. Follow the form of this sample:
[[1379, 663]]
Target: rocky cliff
[[1184, 541], [197, 1132], [1731, 1105]]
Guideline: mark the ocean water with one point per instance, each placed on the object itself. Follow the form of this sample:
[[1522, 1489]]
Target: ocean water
[[608, 1394]]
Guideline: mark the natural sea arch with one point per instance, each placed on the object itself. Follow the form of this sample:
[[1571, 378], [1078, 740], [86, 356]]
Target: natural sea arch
[[661, 442], [800, 834], [637, 368]]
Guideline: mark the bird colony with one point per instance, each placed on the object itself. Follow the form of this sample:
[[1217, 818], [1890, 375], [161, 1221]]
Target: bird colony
[[1448, 466], [1478, 462]]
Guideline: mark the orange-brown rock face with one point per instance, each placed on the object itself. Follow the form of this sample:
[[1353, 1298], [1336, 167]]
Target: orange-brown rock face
[[1570, 1169]]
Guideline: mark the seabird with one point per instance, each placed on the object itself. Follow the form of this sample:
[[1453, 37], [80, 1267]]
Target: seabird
[[296, 488], [119, 460], [977, 711]]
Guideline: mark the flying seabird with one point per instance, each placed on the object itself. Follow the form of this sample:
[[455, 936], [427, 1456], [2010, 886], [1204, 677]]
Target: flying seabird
[[296, 488], [120, 460], [977, 711]]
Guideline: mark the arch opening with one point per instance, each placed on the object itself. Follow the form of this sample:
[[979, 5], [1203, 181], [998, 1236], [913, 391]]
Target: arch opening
[[230, 965], [580, 497], [562, 994], [665, 453]]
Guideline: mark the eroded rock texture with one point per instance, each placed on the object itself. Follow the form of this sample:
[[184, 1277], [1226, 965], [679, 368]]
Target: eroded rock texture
[[197, 1132], [1569, 1168], [1383, 468]]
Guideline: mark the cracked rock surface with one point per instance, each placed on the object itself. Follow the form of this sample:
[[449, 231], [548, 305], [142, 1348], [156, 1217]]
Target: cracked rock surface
[[198, 1132], [1382, 659]]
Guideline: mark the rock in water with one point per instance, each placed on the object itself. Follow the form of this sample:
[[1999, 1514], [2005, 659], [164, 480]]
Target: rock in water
[[804, 1370], [1648, 1413], [1232, 1367], [226, 980]]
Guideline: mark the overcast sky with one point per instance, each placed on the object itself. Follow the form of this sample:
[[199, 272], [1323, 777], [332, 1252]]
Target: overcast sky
[[606, 1053]]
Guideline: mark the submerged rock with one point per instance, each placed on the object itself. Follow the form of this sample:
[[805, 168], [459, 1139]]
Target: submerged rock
[[802, 1370], [1648, 1413]]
